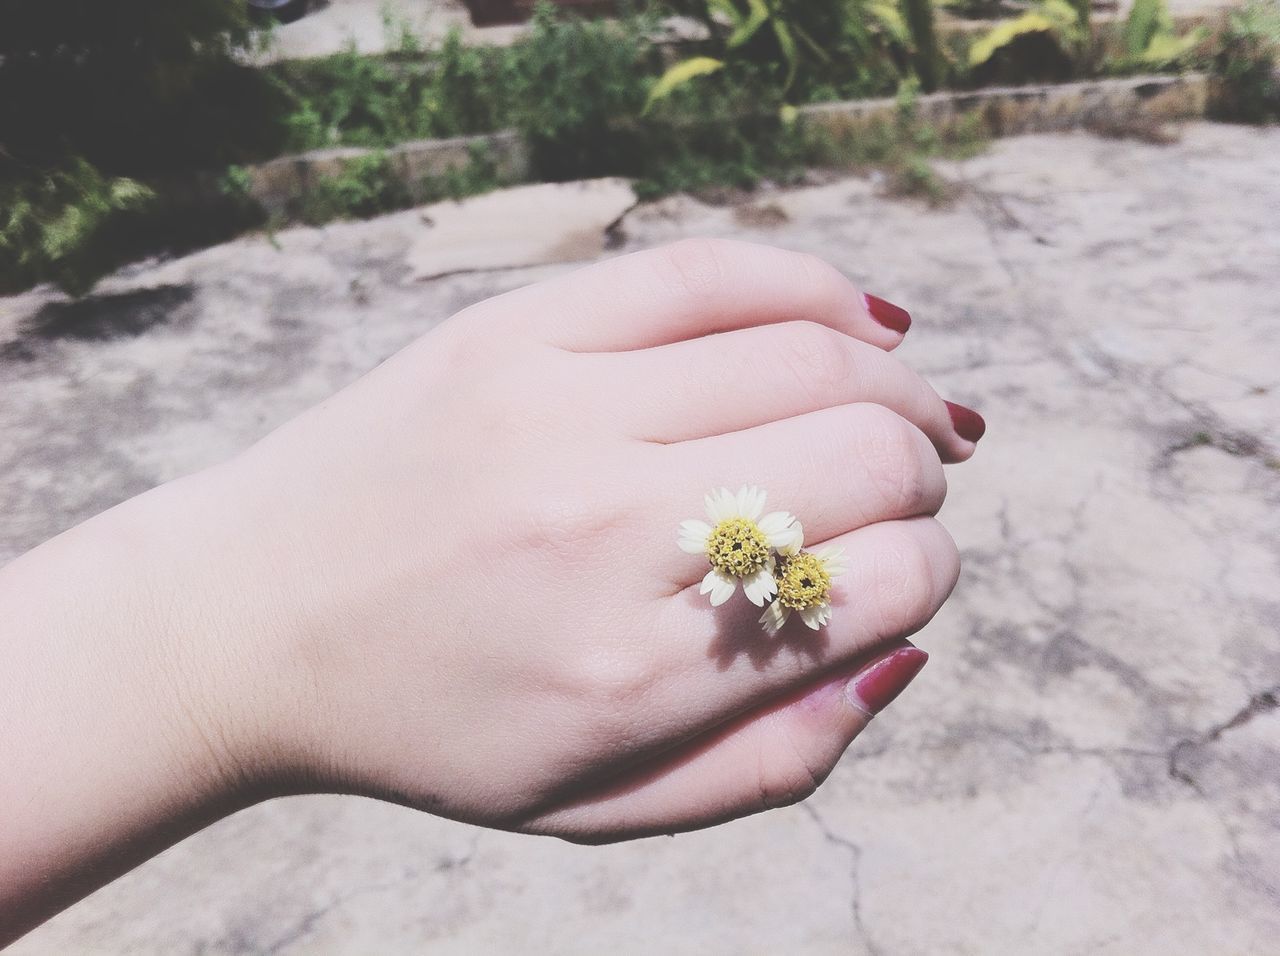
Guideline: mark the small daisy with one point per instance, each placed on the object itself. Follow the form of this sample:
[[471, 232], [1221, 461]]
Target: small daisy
[[804, 585], [739, 543]]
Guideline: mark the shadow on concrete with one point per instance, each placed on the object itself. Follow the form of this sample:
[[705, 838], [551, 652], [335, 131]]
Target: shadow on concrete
[[101, 317]]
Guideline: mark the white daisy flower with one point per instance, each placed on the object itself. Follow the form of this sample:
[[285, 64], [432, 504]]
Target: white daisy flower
[[739, 542], [804, 586]]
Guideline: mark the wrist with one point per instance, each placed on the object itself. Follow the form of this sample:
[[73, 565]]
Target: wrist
[[121, 703]]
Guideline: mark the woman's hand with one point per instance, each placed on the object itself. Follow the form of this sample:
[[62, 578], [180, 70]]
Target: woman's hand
[[456, 583], [459, 582]]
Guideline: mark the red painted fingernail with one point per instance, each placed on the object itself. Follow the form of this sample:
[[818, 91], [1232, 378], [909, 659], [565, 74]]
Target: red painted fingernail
[[877, 684], [887, 314], [969, 424]]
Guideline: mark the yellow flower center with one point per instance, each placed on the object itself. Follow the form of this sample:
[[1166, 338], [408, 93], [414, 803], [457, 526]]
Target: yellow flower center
[[738, 547], [803, 583]]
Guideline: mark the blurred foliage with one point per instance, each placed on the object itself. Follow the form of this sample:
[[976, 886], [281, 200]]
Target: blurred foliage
[[570, 82], [902, 148], [366, 187], [352, 99], [804, 50], [1149, 40], [371, 185], [52, 223], [95, 97], [926, 57], [1043, 43], [126, 127], [1247, 61]]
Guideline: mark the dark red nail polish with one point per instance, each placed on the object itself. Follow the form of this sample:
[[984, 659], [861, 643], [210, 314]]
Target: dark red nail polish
[[887, 314], [877, 684], [969, 424]]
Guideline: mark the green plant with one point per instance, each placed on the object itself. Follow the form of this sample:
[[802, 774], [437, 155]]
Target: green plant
[[352, 99], [1245, 66], [901, 148], [366, 186], [926, 56], [235, 183], [478, 175], [52, 227], [569, 82], [99, 101], [1149, 39], [1050, 24], [806, 49]]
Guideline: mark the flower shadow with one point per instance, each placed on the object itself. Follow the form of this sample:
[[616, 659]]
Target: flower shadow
[[738, 634]]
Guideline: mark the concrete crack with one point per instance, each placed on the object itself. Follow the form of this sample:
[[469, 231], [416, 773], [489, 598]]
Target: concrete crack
[[1261, 703], [855, 856], [310, 920]]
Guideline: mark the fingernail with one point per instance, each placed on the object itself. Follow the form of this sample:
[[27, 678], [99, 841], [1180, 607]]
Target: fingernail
[[968, 423], [887, 314], [877, 684]]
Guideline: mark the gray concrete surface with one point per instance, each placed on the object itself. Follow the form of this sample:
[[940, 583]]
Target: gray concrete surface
[[362, 24], [1091, 761]]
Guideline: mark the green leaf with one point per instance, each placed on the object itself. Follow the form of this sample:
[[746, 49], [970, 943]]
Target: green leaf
[[890, 19], [728, 9], [814, 46], [1004, 34], [1166, 48], [1064, 16], [748, 27], [680, 74], [1141, 26], [787, 43]]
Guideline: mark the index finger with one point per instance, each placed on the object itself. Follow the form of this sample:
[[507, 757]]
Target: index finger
[[697, 287]]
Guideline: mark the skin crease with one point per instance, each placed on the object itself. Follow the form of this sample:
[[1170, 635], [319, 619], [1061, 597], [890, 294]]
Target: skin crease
[[455, 584]]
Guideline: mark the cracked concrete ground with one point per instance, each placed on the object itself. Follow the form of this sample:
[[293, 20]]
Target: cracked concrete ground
[[1091, 761]]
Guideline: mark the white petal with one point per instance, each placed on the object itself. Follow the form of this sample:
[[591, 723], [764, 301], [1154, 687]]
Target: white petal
[[789, 541], [723, 590], [834, 561], [719, 585], [759, 587], [775, 521], [693, 536], [711, 500], [812, 617], [774, 616], [754, 506], [728, 504]]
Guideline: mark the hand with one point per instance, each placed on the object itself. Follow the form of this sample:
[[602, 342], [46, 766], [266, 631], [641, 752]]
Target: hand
[[457, 581], [456, 584]]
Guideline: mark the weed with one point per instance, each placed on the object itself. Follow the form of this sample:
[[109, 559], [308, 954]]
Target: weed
[[367, 186], [53, 225], [1246, 65], [478, 175]]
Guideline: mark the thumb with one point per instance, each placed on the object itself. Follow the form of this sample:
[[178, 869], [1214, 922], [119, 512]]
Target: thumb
[[770, 757]]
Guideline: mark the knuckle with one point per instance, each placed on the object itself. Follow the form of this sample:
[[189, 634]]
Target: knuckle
[[786, 776], [817, 356], [823, 280], [896, 467], [557, 525], [693, 268], [904, 579], [610, 685]]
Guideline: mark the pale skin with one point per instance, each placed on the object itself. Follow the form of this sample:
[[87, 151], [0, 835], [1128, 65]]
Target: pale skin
[[455, 584]]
